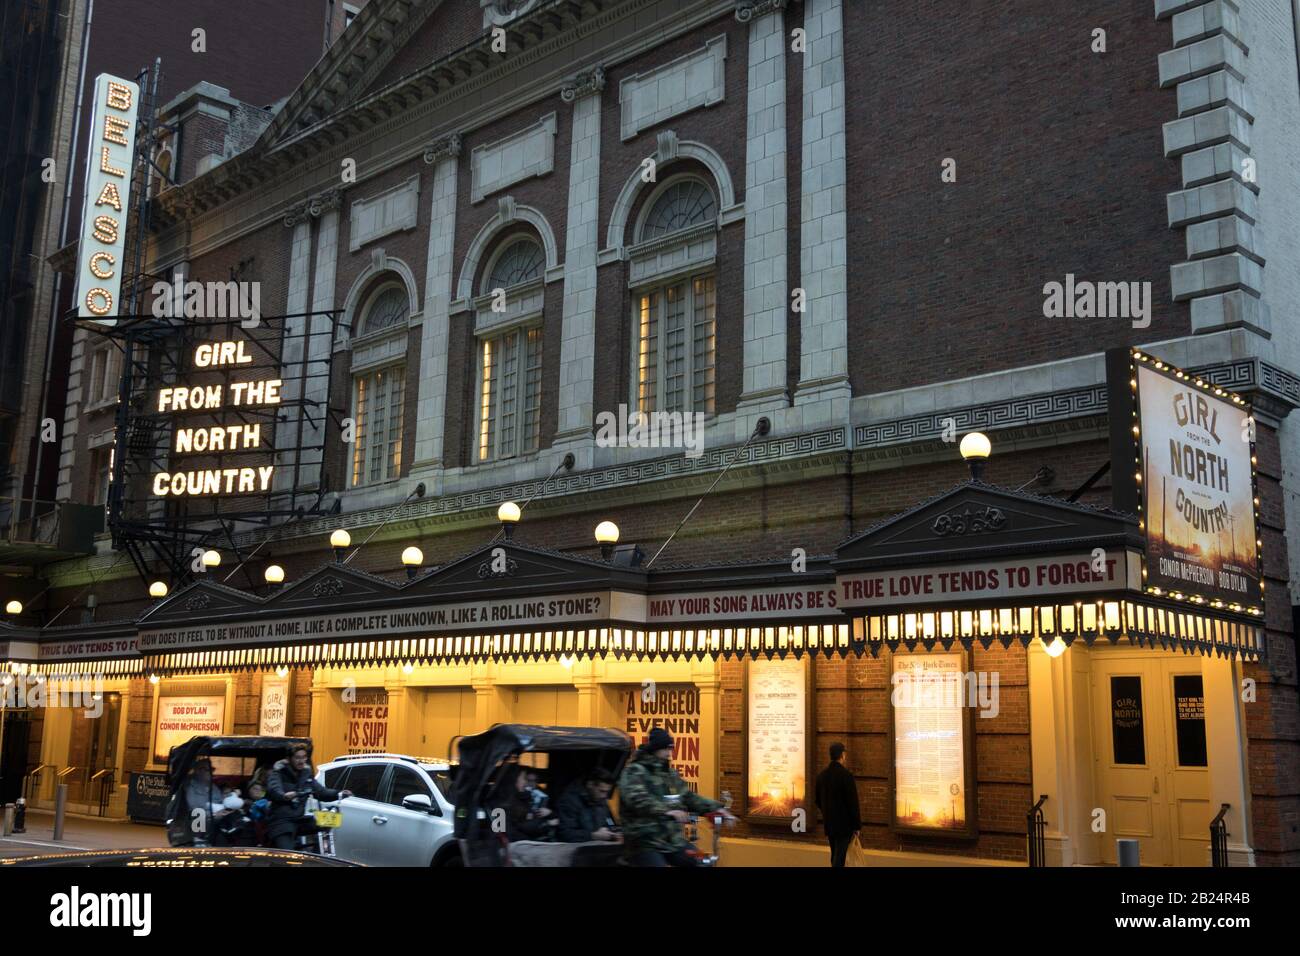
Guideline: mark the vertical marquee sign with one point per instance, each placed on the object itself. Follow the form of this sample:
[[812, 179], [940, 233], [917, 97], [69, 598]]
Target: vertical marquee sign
[[1191, 482], [777, 755], [109, 167]]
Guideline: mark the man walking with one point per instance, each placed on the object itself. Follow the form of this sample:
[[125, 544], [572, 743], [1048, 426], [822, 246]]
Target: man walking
[[837, 799]]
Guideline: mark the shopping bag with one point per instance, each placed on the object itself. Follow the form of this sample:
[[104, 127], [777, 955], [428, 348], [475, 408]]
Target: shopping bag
[[855, 856]]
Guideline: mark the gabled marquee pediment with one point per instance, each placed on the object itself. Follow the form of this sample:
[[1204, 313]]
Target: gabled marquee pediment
[[979, 520], [331, 584], [198, 601], [506, 567]]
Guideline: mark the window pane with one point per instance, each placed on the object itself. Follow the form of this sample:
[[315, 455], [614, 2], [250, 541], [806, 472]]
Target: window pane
[[683, 204], [675, 348], [702, 375], [378, 426], [486, 411], [396, 401], [405, 782], [521, 262], [647, 352], [359, 446], [533, 391], [388, 310], [509, 392]]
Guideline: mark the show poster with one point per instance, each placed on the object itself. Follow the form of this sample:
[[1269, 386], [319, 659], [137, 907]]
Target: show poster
[[675, 708], [777, 724], [180, 718], [929, 741], [1199, 491], [273, 720], [368, 723]]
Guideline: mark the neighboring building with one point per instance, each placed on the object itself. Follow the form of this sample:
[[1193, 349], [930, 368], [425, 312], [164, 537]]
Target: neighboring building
[[840, 220], [52, 52]]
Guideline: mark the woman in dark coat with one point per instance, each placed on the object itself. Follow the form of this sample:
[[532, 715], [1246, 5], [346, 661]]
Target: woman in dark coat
[[288, 786]]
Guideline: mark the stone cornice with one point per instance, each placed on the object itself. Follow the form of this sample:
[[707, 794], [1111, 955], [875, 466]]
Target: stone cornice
[[584, 84], [448, 147]]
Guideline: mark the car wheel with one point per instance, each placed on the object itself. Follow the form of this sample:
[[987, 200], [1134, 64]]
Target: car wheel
[[448, 858]]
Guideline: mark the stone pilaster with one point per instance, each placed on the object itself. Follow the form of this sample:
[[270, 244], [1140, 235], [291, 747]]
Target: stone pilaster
[[823, 366], [430, 426], [767, 300], [578, 339]]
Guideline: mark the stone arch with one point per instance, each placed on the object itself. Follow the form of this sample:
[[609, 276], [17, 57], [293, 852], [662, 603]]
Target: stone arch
[[507, 214], [380, 263], [670, 148]]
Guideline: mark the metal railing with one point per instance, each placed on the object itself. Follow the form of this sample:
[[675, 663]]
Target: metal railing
[[28, 521], [1219, 838], [105, 780], [32, 780], [1037, 833]]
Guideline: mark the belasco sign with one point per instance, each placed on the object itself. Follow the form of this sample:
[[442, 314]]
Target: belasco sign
[[109, 167]]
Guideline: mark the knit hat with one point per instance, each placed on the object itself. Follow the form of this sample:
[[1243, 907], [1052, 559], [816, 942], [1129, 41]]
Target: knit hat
[[659, 739]]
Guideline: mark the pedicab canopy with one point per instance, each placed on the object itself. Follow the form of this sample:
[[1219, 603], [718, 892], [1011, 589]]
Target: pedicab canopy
[[571, 752], [182, 758]]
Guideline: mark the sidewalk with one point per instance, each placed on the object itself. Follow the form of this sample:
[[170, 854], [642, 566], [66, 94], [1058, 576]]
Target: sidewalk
[[79, 833]]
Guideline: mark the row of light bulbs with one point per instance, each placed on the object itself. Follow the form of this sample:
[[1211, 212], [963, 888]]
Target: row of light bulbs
[[412, 558], [975, 447]]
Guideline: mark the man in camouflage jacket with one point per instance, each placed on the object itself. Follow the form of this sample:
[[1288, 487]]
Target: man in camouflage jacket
[[655, 803]]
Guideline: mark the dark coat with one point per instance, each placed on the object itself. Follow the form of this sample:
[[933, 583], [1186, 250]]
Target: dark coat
[[580, 815], [286, 813], [837, 799]]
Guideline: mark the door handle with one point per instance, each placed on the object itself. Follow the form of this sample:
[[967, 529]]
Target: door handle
[[380, 820], [1156, 782]]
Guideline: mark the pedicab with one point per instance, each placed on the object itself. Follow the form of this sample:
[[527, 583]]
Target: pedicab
[[235, 761], [487, 766]]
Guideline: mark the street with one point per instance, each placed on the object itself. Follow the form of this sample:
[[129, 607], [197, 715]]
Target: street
[[79, 833]]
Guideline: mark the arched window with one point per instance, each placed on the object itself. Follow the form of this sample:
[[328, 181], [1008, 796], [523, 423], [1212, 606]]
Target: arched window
[[379, 385], [675, 319], [520, 261], [684, 203], [387, 309], [509, 392]]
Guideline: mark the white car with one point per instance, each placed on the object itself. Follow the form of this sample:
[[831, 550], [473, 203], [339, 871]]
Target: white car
[[399, 813]]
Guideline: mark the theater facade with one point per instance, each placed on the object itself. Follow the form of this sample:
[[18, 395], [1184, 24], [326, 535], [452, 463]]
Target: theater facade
[[1030, 560]]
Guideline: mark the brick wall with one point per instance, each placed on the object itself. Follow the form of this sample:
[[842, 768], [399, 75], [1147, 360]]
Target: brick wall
[[1060, 168]]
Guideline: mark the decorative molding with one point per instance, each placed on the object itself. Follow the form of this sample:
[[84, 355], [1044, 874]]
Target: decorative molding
[[197, 602], [485, 569], [396, 209], [1024, 410], [692, 80], [314, 206], [507, 213], [961, 522], [522, 155], [327, 587], [448, 147], [585, 83], [497, 13], [748, 10]]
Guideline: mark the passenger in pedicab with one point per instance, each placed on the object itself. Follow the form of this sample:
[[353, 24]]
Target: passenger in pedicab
[[655, 805], [206, 804], [525, 818], [583, 809]]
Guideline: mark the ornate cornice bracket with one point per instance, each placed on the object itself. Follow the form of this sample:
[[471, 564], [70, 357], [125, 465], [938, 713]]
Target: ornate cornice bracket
[[586, 83], [748, 10], [314, 207], [446, 148]]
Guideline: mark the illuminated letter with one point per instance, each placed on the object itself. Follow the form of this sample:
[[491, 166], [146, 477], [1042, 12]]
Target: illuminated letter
[[99, 309], [106, 229], [109, 196], [119, 96], [160, 484], [114, 128], [104, 167], [102, 257]]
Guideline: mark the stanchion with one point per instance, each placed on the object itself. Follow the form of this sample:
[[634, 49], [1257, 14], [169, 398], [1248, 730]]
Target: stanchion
[[1127, 852], [60, 807], [9, 819], [20, 815]]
